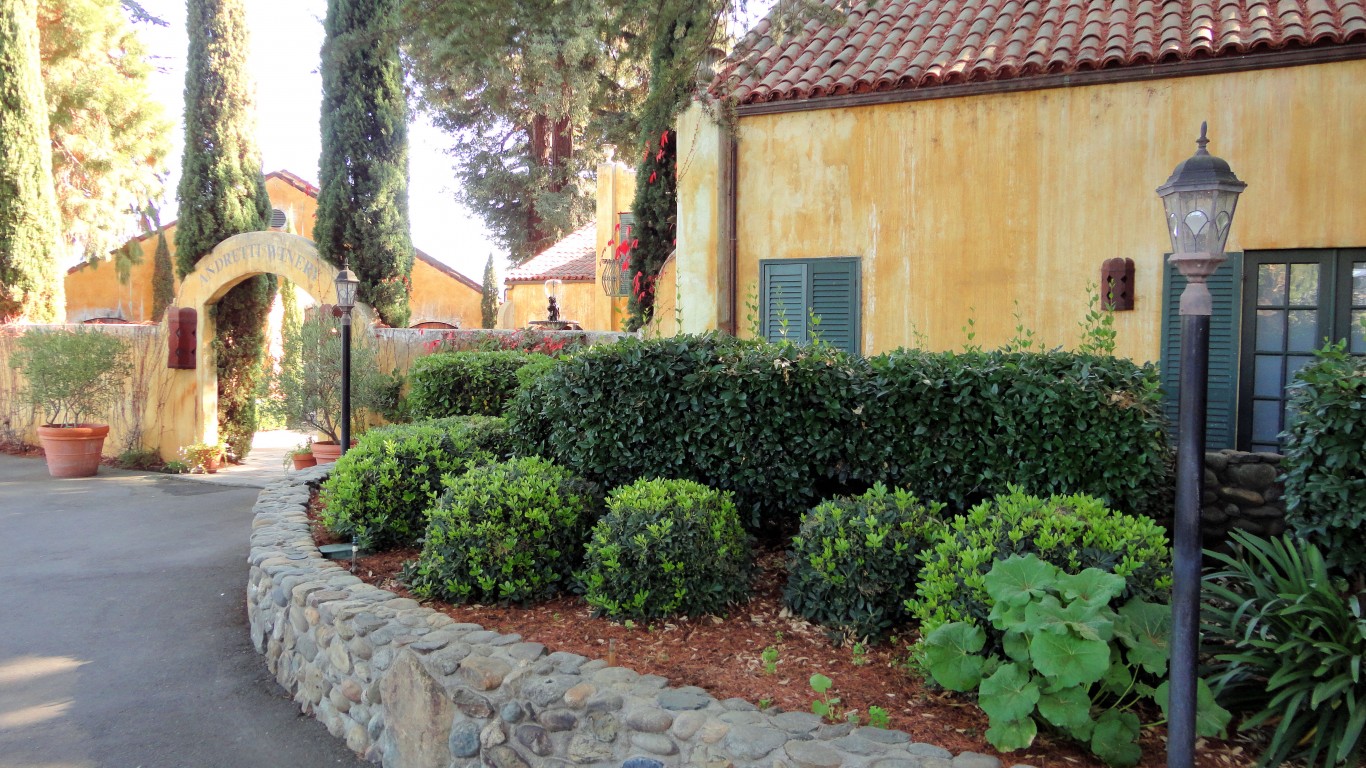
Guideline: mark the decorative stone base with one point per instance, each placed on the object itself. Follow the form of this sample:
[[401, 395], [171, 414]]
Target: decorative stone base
[[410, 688], [1242, 491]]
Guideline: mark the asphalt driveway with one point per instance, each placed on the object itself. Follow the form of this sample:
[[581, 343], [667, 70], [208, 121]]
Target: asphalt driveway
[[123, 638]]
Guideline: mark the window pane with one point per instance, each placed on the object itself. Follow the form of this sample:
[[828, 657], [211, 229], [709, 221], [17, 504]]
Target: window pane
[[1359, 283], [1266, 447], [1266, 381], [1304, 284], [1270, 330], [1293, 364], [1271, 285], [1358, 343], [1304, 330], [1266, 420]]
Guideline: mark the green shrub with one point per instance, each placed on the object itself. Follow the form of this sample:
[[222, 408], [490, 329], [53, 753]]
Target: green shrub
[[783, 426], [1070, 660], [71, 376], [1325, 459], [1288, 645], [381, 489], [505, 532], [667, 547], [855, 559], [464, 383], [1070, 532]]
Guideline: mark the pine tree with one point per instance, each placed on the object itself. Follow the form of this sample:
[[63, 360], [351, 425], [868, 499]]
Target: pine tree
[[222, 193], [488, 302], [363, 172], [30, 287]]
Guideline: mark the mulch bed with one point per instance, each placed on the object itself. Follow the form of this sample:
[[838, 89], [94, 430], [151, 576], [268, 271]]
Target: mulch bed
[[723, 656]]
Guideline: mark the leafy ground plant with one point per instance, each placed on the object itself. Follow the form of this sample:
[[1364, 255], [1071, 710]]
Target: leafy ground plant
[[1288, 642], [1070, 662], [826, 705]]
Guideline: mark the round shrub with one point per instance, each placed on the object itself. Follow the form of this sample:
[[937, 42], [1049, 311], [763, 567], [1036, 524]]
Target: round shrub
[[667, 547], [381, 489], [504, 532], [1070, 532], [465, 383], [855, 560]]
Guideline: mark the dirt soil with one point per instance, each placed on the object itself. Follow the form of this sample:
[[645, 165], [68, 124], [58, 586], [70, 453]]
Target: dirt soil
[[724, 656]]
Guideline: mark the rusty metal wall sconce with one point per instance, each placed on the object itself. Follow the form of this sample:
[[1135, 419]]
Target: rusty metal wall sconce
[[1117, 285]]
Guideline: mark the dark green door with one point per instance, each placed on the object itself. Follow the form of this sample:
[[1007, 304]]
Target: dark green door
[[1293, 301]]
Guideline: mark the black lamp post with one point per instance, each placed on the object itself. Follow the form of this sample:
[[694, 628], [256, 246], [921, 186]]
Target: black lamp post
[[346, 301], [1199, 199]]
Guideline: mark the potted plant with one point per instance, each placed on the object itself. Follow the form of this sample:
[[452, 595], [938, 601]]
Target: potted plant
[[301, 457], [309, 381], [72, 377], [203, 457]]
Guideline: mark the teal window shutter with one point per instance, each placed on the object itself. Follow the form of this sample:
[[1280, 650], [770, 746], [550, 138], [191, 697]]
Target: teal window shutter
[[802, 298], [1225, 286]]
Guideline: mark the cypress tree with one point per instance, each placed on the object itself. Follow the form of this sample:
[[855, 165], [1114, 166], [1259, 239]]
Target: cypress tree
[[30, 287], [363, 172], [488, 302], [163, 281], [222, 193]]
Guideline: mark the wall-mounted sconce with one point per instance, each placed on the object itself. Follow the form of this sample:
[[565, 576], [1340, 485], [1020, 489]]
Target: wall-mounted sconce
[[1117, 285], [182, 334]]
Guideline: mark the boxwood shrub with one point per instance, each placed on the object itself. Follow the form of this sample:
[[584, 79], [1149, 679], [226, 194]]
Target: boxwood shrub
[[1325, 459], [381, 489], [783, 426], [509, 531], [667, 547], [465, 383], [856, 559], [1071, 532]]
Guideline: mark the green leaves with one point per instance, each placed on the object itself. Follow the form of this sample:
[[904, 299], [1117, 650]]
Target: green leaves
[[71, 376], [1009, 694], [1210, 718], [465, 383], [951, 651], [1115, 738]]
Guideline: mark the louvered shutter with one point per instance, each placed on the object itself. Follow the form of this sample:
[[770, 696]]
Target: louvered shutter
[[1225, 286], [784, 298], [834, 300]]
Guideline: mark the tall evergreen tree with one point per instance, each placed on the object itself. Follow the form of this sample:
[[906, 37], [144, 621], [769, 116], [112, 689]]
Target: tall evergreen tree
[[488, 302], [110, 137], [222, 193], [30, 287], [363, 172], [163, 276]]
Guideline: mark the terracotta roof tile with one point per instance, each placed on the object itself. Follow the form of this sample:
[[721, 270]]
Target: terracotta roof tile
[[572, 258], [906, 44]]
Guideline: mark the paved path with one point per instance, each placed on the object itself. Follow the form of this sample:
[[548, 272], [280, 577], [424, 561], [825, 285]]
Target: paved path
[[123, 638], [264, 464]]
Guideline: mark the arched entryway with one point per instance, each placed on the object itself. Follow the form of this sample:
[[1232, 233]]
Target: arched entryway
[[232, 261]]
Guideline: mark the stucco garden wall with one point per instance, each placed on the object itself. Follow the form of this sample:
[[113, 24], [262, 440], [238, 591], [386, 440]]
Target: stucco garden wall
[[411, 688]]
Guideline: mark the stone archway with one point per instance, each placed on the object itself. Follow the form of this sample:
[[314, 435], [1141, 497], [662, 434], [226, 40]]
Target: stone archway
[[232, 261]]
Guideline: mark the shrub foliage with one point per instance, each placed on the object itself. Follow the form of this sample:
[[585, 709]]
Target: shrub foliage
[[855, 559], [381, 489], [506, 532], [667, 547], [1325, 458], [784, 426], [465, 383], [1070, 532]]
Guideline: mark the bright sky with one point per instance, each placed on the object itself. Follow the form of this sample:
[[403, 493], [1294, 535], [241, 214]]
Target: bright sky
[[286, 36]]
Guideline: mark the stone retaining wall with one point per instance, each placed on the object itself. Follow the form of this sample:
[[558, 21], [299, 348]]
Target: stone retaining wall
[[411, 688], [1241, 491]]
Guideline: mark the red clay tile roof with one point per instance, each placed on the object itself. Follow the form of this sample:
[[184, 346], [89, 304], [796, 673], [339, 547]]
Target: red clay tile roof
[[573, 258], [911, 44]]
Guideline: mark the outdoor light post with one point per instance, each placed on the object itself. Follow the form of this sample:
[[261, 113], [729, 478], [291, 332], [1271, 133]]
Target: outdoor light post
[[1199, 199], [346, 301]]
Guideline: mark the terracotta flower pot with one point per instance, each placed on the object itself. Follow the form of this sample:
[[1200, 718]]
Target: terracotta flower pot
[[73, 451], [326, 451], [211, 464], [304, 460]]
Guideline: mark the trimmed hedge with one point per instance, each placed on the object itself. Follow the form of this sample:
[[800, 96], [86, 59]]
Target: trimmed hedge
[[510, 531], [1071, 532], [465, 383], [1325, 458], [855, 559], [784, 426], [667, 547], [381, 489]]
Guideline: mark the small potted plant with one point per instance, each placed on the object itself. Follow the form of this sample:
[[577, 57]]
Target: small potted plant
[[203, 457], [71, 377], [301, 457]]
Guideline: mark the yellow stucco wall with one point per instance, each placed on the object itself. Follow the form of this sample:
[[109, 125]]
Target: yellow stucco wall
[[437, 297], [962, 207], [616, 193], [578, 300], [668, 318], [699, 219]]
